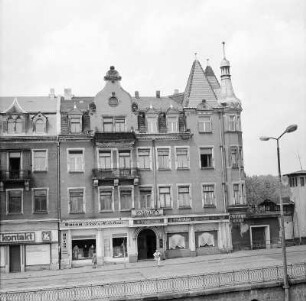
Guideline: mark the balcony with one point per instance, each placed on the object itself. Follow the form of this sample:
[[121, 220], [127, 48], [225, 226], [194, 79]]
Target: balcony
[[19, 175], [115, 173]]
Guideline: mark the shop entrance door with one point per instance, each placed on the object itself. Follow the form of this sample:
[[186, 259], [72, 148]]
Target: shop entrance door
[[259, 237], [15, 264], [146, 242]]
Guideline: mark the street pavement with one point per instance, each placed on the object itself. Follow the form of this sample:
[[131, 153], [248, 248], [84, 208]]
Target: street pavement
[[148, 269]]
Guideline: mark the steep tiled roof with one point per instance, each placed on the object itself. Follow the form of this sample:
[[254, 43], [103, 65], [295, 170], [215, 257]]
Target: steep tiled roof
[[161, 104], [30, 104], [80, 102], [212, 79], [198, 87]]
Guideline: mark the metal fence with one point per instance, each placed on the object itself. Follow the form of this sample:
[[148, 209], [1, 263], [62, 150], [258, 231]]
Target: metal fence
[[158, 286]]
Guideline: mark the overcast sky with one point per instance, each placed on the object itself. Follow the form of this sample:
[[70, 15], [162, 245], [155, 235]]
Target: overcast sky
[[71, 44]]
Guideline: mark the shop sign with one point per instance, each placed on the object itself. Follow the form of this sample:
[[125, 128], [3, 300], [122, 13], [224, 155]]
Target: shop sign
[[46, 236], [238, 218], [93, 223], [187, 219], [22, 237], [148, 221], [147, 212]]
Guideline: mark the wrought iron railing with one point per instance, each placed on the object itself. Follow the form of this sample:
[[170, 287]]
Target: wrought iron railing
[[113, 173], [158, 286], [15, 175]]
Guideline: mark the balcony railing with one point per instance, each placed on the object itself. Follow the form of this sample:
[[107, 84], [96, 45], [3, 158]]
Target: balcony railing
[[15, 175], [115, 173]]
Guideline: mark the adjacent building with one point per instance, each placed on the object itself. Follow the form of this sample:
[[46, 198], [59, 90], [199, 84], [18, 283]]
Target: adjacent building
[[123, 175]]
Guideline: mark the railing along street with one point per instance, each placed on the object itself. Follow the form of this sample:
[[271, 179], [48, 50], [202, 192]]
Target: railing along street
[[159, 286]]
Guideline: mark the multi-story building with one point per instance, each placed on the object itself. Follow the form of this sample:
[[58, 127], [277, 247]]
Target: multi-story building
[[120, 176], [145, 173], [28, 183]]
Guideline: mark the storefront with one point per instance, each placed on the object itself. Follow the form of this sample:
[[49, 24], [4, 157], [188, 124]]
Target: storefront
[[28, 250]]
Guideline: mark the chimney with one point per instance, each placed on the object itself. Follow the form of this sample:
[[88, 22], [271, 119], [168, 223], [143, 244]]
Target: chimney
[[176, 91], [137, 94], [52, 93], [67, 94], [157, 94]]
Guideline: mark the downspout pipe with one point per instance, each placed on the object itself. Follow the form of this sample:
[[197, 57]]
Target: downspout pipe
[[59, 201], [154, 173]]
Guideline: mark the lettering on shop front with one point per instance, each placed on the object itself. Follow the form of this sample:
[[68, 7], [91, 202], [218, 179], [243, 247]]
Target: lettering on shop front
[[94, 223], [148, 221], [196, 219], [17, 237], [147, 212]]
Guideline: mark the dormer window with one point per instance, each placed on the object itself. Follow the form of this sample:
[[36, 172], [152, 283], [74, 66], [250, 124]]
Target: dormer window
[[75, 125], [14, 124], [172, 124], [39, 123], [11, 126], [40, 126], [18, 125]]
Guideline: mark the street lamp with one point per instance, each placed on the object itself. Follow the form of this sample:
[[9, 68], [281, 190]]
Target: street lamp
[[289, 129]]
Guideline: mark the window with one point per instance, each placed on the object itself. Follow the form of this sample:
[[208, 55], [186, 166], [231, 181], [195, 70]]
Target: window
[[164, 197], [293, 182], [14, 201], [163, 155], [40, 160], [40, 126], [208, 195], [302, 181], [107, 124], [206, 157], [75, 160], [184, 196], [18, 126], [206, 239], [178, 241], [119, 125], [182, 158], [126, 200], [236, 194], [241, 156], [233, 157], [11, 126], [76, 200], [146, 200], [172, 125], [105, 159], [124, 159], [119, 246], [75, 125], [144, 158], [40, 200], [204, 124], [152, 125], [232, 123], [106, 200]]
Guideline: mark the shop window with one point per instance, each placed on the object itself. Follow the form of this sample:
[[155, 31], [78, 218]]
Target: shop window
[[164, 197], [119, 247], [206, 157], [178, 241], [208, 195], [144, 158], [184, 196], [126, 199], [76, 200], [106, 200], [83, 249], [40, 200], [39, 160], [75, 160], [146, 200], [204, 124], [206, 239], [105, 159], [182, 158], [164, 160], [14, 201], [125, 159]]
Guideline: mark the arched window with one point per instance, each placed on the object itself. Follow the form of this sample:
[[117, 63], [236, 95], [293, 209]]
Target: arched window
[[40, 126], [11, 126], [18, 128]]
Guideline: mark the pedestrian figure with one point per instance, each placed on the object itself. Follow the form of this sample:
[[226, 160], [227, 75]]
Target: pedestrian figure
[[157, 256], [94, 260]]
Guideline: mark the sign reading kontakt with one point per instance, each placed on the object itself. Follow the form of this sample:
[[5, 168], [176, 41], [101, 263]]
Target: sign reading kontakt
[[21, 237]]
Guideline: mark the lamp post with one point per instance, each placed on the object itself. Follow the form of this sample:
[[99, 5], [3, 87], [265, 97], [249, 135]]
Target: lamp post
[[289, 129]]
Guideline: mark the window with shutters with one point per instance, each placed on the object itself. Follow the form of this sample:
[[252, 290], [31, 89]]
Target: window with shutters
[[75, 160], [184, 195], [126, 198], [106, 199], [182, 158], [39, 158], [76, 200], [105, 159], [14, 203], [208, 195], [144, 158], [146, 198], [164, 193], [206, 157], [163, 158], [40, 197], [204, 124]]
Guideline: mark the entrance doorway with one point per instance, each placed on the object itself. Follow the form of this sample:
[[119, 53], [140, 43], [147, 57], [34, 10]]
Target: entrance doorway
[[15, 264], [146, 242], [258, 238]]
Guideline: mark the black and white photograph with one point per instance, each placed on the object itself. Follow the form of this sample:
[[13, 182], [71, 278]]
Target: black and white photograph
[[152, 150]]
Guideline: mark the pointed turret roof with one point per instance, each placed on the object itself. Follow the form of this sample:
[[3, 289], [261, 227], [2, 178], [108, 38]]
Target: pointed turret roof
[[198, 87], [212, 79]]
